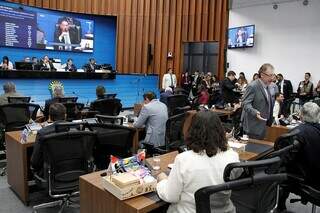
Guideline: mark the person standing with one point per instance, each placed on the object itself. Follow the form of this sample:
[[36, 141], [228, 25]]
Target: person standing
[[228, 85], [258, 104], [305, 89], [169, 80], [285, 87]]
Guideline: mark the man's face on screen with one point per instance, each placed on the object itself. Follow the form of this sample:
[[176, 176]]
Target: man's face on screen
[[64, 26]]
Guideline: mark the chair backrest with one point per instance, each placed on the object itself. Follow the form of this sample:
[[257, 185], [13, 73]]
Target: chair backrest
[[110, 95], [107, 106], [174, 131], [108, 119], [175, 101], [73, 110], [14, 99], [255, 190], [15, 116], [67, 99], [68, 156], [112, 140], [317, 101]]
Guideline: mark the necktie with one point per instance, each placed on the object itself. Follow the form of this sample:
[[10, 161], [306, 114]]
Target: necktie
[[171, 80], [269, 103]]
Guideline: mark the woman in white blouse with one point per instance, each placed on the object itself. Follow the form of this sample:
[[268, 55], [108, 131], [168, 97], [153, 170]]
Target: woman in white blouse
[[203, 165]]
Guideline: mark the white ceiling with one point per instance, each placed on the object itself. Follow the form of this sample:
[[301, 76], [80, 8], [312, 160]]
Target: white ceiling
[[251, 3]]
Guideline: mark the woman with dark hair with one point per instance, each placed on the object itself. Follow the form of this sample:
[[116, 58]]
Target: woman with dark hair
[[255, 76], [203, 165], [6, 64]]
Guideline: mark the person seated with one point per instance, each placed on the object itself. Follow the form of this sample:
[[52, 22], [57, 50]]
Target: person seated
[[100, 92], [227, 88], [305, 163], [9, 89], [305, 89], [91, 66], [57, 93], [66, 35], [242, 81], [6, 64], [278, 109], [164, 96], [255, 76], [70, 66], [154, 116], [27, 59], [46, 64], [57, 113], [202, 165], [203, 97]]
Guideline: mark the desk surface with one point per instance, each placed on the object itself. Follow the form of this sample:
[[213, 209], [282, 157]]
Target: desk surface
[[94, 198], [143, 203]]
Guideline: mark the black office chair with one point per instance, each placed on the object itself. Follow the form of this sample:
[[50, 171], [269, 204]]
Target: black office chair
[[73, 110], [255, 190], [14, 99], [110, 95], [111, 140], [107, 106], [317, 101], [287, 148], [16, 116], [107, 119], [67, 155], [175, 103], [174, 139]]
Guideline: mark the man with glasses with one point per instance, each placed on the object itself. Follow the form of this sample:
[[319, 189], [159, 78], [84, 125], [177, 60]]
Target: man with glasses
[[258, 104]]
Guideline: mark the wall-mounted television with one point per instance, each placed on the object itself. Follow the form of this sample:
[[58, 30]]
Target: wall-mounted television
[[241, 37], [45, 30]]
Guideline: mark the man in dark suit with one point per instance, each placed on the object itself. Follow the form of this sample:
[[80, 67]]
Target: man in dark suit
[[46, 64], [227, 87], [164, 96], [285, 87], [66, 34], [258, 104], [57, 113], [305, 164], [91, 66], [70, 66]]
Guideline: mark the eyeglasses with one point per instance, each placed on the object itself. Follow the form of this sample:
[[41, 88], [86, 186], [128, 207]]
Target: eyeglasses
[[269, 75]]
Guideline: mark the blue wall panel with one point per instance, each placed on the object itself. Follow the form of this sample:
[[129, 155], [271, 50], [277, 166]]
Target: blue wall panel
[[104, 41], [129, 88]]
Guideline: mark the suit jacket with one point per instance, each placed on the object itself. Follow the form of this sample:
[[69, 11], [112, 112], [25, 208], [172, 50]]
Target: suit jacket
[[42, 66], [73, 34], [255, 100], [227, 87], [37, 155], [287, 88], [154, 116], [166, 81], [308, 155], [89, 68], [73, 68], [164, 97]]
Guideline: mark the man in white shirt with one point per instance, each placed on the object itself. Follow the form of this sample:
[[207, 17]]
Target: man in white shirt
[[169, 80], [277, 108]]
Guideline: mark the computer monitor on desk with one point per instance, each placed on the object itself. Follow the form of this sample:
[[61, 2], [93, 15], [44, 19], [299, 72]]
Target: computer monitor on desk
[[23, 65], [68, 100]]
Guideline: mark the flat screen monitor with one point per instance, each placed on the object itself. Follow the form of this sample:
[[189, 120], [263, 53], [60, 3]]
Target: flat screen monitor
[[45, 30], [241, 37], [23, 65]]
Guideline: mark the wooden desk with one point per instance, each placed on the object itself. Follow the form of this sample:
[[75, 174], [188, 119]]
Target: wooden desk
[[94, 198], [275, 131], [18, 164]]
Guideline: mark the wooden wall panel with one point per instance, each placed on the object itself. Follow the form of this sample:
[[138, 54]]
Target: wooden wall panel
[[165, 24]]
